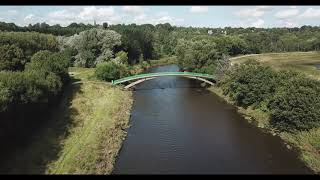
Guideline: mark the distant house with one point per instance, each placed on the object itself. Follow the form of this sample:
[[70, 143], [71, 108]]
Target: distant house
[[210, 32]]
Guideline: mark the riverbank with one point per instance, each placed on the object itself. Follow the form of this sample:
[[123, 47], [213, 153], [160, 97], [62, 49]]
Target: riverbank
[[100, 114], [82, 135], [306, 142]]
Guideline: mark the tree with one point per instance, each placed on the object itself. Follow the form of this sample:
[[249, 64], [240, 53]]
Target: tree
[[105, 25], [121, 57], [93, 46], [11, 58], [198, 56]]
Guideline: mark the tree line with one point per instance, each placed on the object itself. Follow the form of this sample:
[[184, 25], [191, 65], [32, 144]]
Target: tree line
[[149, 41]]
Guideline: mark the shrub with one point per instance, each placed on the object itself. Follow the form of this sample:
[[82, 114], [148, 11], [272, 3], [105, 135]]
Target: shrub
[[249, 84], [296, 105], [56, 63], [110, 71], [291, 99]]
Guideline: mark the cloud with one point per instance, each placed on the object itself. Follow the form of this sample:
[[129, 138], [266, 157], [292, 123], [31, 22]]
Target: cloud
[[250, 12], [310, 13], [251, 22], [62, 14], [133, 9], [286, 23], [287, 13], [159, 18], [30, 18], [86, 14], [94, 12], [140, 18], [9, 13], [258, 23], [264, 8], [199, 9]]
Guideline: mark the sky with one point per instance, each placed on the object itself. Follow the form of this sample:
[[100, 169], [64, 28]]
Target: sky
[[196, 16]]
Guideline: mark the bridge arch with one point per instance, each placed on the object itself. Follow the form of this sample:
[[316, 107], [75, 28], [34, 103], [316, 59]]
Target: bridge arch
[[137, 79]]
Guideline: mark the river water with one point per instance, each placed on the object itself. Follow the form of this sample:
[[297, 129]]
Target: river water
[[179, 128]]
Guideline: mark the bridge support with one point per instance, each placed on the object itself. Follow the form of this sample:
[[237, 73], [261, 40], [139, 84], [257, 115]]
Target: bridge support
[[201, 79], [137, 82]]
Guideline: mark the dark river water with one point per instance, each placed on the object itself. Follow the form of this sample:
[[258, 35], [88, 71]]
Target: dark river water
[[177, 128]]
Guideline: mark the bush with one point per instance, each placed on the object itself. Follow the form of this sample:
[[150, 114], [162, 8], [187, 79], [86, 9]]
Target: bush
[[291, 99], [249, 84], [110, 71], [296, 105]]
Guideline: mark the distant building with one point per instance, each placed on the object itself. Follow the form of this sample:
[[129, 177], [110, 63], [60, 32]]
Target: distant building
[[210, 32]]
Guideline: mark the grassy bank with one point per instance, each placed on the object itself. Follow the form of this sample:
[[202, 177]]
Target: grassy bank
[[82, 136], [307, 142], [100, 114], [300, 61]]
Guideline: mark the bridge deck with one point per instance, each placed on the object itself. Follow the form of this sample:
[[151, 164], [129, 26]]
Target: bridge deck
[[148, 75]]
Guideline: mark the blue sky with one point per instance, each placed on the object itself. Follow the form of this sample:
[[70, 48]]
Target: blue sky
[[197, 16]]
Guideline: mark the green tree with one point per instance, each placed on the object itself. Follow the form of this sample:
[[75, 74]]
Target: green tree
[[11, 58]]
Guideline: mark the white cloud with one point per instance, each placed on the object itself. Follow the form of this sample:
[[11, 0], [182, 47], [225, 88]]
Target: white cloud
[[133, 9], [287, 13], [250, 12], [199, 9], [9, 13], [286, 23], [62, 14], [30, 18], [264, 8], [94, 12], [140, 18], [310, 13], [257, 23], [86, 14], [250, 22]]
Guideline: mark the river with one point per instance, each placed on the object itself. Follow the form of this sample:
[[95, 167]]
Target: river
[[176, 127]]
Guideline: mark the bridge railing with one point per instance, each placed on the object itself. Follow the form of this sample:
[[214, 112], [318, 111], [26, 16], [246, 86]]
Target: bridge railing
[[146, 75]]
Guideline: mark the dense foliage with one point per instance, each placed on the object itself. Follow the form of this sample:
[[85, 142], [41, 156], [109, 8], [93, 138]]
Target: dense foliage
[[92, 46], [25, 95], [291, 99], [155, 41], [11, 58], [29, 42], [111, 70], [200, 56]]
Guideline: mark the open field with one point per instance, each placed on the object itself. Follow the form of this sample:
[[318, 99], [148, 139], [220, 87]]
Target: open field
[[300, 61]]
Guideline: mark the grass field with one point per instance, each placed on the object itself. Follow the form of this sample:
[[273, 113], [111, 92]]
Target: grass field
[[304, 62]]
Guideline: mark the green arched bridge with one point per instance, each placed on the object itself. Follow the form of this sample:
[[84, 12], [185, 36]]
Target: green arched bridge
[[136, 79]]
